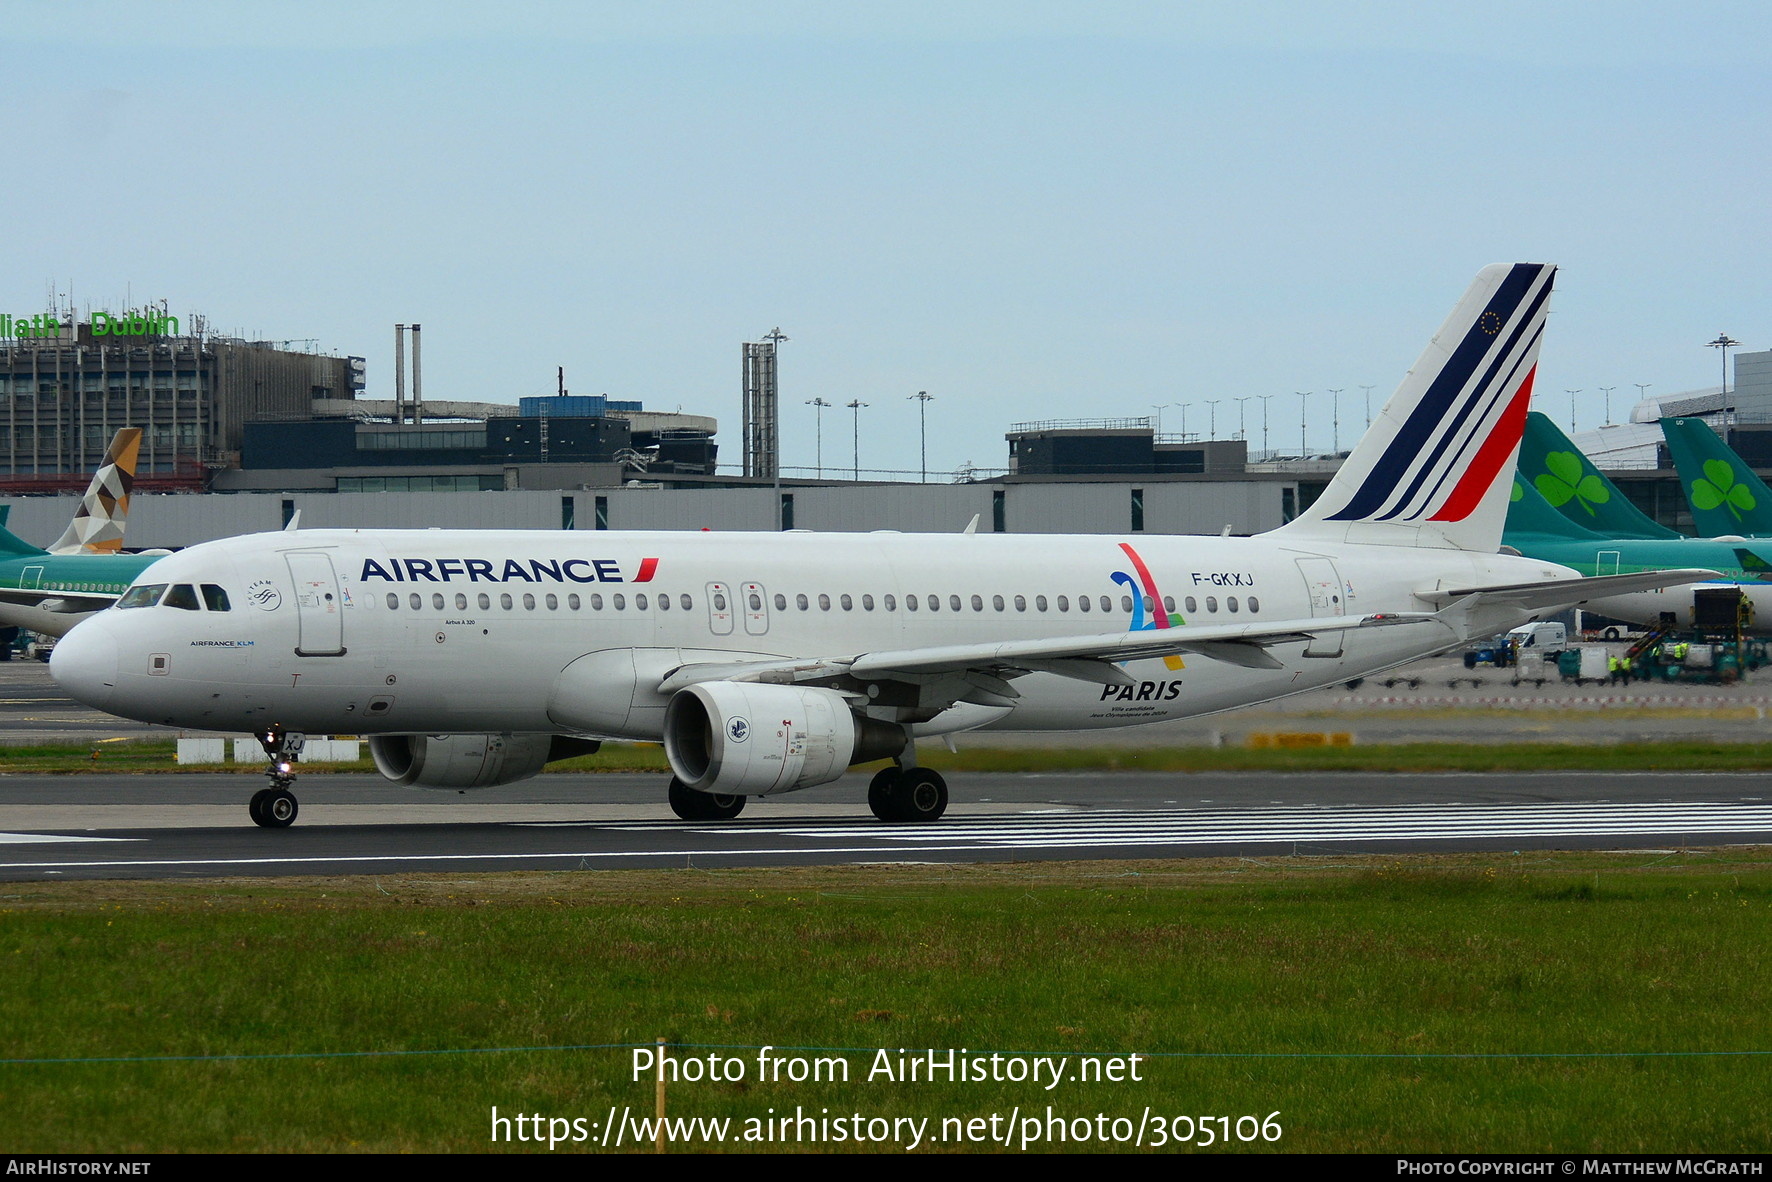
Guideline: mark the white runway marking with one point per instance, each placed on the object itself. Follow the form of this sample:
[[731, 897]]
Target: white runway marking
[[46, 838], [1305, 824], [1309, 830]]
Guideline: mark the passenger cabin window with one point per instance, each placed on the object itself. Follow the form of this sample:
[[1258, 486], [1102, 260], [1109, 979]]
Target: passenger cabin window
[[146, 596], [214, 598]]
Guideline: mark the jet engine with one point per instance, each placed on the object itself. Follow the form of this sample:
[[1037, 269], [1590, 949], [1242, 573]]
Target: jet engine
[[741, 738], [468, 761]]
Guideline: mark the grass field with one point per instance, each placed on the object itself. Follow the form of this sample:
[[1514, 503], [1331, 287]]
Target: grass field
[[1513, 1003]]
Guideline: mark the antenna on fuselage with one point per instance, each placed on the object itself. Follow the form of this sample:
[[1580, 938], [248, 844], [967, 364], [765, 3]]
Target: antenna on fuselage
[[294, 522], [971, 526]]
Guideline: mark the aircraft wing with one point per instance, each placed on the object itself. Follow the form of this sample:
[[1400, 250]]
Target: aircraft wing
[[1568, 592], [58, 601], [1085, 658]]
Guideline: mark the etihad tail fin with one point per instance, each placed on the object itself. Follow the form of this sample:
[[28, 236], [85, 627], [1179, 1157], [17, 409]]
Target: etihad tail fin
[[1576, 489], [98, 524], [1432, 469], [1726, 497]]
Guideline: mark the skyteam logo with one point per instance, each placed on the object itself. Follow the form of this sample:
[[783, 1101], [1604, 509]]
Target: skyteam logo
[[738, 730]]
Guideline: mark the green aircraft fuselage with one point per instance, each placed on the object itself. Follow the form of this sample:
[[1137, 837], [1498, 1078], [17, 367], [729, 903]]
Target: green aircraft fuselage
[[74, 585]]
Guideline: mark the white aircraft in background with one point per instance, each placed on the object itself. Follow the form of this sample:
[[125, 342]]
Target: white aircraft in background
[[773, 661]]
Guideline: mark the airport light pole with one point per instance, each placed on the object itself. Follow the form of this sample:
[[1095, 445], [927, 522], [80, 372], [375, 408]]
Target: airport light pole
[[1158, 407], [1642, 390], [1335, 419], [1724, 343], [923, 397], [1303, 401], [856, 406], [1607, 391], [1571, 394], [1184, 406], [1265, 453], [1242, 429], [1368, 390], [818, 405], [1212, 418]]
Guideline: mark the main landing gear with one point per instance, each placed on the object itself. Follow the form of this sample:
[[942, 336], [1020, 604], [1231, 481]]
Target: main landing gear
[[275, 807], [691, 805], [908, 793]]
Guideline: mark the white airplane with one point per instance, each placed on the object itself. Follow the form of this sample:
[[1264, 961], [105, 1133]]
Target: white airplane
[[769, 662]]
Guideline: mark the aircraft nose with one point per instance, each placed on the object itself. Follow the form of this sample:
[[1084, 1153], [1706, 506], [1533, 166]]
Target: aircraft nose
[[84, 662]]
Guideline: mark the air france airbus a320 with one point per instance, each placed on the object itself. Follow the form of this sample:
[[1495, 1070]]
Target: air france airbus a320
[[770, 662]]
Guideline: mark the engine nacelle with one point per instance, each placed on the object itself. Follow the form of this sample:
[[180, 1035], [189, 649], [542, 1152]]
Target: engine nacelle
[[741, 738], [459, 761]]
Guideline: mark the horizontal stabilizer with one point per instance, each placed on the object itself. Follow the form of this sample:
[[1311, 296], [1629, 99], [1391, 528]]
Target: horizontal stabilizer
[[1561, 593]]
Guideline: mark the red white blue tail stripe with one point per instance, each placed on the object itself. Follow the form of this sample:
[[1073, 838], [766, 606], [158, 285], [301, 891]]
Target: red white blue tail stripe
[[1447, 438]]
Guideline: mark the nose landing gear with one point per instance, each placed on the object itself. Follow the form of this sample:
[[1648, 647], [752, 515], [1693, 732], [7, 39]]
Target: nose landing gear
[[276, 807]]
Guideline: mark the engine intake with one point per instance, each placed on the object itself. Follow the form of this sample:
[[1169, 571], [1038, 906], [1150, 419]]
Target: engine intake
[[741, 738], [464, 761]]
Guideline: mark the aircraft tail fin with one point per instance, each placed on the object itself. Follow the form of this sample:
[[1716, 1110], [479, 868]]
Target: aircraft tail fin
[[1576, 489], [98, 524], [1726, 497], [1529, 514], [1432, 469], [13, 546]]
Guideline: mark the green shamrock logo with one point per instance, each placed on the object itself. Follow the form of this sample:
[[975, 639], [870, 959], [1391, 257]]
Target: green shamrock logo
[[1718, 487], [1564, 482]]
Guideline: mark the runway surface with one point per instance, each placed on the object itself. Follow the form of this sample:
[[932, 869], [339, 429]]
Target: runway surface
[[195, 826]]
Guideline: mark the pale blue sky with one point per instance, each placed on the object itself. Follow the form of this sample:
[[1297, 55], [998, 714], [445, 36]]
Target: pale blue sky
[[1029, 210]]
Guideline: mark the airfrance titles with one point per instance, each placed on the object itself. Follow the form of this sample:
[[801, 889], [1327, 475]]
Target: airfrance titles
[[508, 570]]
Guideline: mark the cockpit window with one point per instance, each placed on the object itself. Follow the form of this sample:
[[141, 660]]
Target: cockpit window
[[214, 598], [146, 595], [182, 595]]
